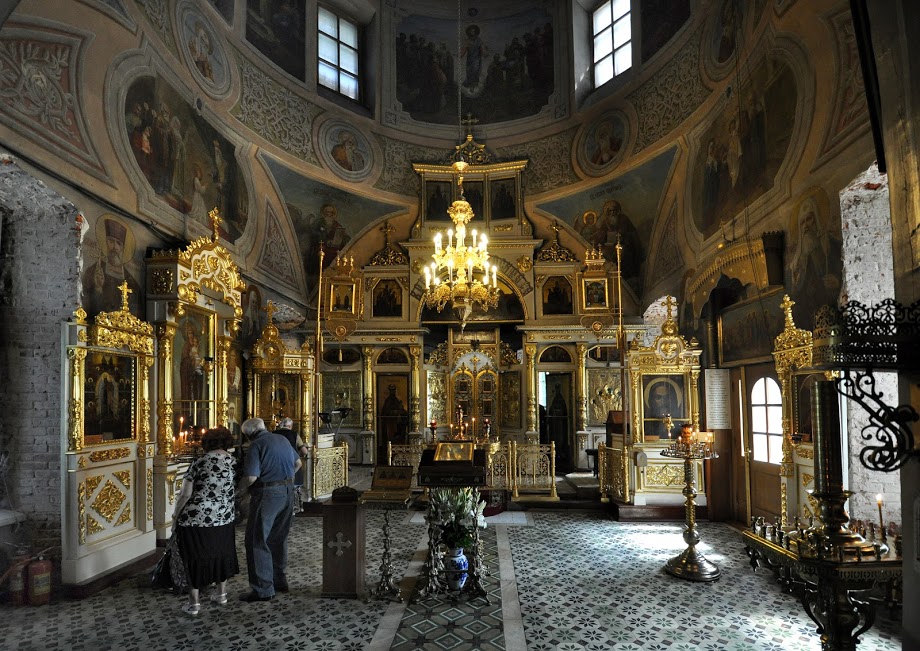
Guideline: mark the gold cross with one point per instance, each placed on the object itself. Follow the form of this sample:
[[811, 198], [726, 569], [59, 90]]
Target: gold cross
[[468, 122], [669, 303], [216, 221], [124, 295], [271, 309], [386, 229], [787, 309]]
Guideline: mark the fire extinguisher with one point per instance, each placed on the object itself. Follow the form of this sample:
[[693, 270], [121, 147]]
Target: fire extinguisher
[[17, 574], [39, 581]]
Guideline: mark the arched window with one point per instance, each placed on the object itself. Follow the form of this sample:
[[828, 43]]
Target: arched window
[[767, 421]]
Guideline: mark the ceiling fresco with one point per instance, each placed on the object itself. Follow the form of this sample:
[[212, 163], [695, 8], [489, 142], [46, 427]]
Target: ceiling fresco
[[505, 69], [323, 213], [627, 205]]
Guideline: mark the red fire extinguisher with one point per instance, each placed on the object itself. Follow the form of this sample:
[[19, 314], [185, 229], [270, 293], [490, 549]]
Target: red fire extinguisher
[[39, 581]]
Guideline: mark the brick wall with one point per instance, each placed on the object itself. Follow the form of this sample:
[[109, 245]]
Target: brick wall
[[868, 277], [39, 289]]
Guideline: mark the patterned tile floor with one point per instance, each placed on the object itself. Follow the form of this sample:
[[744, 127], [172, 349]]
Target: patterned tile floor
[[557, 580]]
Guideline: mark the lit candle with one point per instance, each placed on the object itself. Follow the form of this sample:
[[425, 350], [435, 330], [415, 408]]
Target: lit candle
[[450, 238], [881, 520], [437, 242], [427, 278]]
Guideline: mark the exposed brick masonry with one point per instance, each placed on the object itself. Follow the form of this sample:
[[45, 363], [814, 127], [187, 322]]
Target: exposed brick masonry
[[39, 285]]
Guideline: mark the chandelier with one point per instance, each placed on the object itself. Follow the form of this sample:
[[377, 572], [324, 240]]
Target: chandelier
[[450, 278]]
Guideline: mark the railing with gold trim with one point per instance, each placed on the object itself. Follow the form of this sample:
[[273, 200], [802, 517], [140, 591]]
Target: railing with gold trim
[[330, 468], [534, 467], [499, 473]]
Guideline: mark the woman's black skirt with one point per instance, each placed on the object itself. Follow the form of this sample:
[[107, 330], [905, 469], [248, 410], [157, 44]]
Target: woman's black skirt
[[209, 554]]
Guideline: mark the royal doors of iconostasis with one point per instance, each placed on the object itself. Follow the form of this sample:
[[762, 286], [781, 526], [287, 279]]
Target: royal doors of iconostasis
[[473, 393]]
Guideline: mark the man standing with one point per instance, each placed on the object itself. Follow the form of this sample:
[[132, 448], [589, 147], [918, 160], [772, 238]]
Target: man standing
[[268, 470], [286, 429]]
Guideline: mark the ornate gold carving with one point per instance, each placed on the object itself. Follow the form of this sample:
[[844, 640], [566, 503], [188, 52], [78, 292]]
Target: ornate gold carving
[[211, 267], [555, 252], [77, 358], [171, 486], [805, 452], [92, 483], [389, 254], [783, 503], [664, 474], [388, 339], [81, 508], [122, 330], [75, 429], [149, 494], [162, 281], [807, 479], [124, 476], [93, 525], [125, 516], [508, 355], [145, 421], [81, 461], [438, 357], [437, 396], [815, 509], [109, 455], [216, 221], [330, 469], [792, 348], [108, 501], [559, 337], [524, 264], [80, 315], [503, 228]]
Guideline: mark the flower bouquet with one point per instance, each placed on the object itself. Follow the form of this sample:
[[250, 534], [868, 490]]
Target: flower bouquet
[[457, 513]]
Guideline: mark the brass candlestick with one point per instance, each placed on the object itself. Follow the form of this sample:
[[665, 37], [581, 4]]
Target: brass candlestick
[[691, 564]]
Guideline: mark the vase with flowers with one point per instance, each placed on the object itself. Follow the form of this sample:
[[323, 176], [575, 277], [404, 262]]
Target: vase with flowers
[[458, 513]]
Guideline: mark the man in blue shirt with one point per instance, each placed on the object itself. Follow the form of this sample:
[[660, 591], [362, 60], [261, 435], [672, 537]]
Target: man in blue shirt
[[268, 471]]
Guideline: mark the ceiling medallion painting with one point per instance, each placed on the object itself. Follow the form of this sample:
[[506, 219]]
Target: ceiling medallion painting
[[203, 52], [345, 150], [602, 144]]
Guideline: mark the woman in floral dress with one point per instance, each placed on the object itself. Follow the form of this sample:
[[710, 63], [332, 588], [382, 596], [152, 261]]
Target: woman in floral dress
[[203, 520]]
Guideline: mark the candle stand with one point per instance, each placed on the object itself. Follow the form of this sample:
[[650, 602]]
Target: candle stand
[[691, 564]]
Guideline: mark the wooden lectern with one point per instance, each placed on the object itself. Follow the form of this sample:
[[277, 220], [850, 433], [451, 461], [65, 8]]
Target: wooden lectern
[[343, 545]]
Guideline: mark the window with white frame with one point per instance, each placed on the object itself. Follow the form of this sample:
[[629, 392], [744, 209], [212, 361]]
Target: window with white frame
[[337, 53], [767, 421], [612, 31]]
